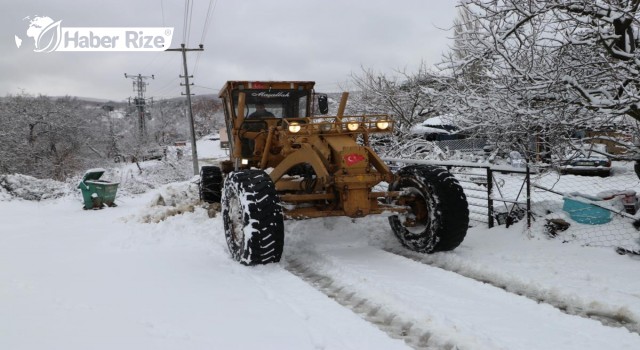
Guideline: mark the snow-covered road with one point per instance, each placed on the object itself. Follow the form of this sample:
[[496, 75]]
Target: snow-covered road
[[449, 308], [74, 279], [153, 274]]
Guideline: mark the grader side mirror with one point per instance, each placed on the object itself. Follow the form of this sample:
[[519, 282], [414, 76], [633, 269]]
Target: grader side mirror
[[323, 104]]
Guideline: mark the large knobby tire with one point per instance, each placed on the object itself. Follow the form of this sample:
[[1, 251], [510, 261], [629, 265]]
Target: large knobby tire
[[439, 215], [210, 184], [253, 220]]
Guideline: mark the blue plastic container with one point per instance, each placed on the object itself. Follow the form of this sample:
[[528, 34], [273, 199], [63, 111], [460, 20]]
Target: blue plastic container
[[586, 213]]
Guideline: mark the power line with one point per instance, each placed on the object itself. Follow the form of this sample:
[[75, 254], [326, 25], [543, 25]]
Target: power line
[[190, 21], [205, 29], [173, 92], [195, 67], [205, 87], [207, 21], [184, 22], [148, 64], [163, 67], [166, 87]]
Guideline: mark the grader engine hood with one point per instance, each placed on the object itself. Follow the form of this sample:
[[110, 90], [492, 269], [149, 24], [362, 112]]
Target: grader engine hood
[[351, 156], [355, 158], [354, 177]]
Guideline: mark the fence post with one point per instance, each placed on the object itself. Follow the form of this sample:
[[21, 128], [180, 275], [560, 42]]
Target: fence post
[[489, 196], [528, 179]]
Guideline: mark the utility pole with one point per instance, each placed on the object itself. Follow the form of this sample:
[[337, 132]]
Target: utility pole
[[140, 87], [194, 151]]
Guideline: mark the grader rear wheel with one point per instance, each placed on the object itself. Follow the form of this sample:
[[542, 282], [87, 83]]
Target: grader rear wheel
[[439, 214], [210, 184]]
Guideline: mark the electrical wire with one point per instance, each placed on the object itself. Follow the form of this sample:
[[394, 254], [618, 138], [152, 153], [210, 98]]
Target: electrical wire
[[190, 21], [206, 87], [184, 22], [146, 65], [205, 29], [165, 87], [168, 59], [210, 10]]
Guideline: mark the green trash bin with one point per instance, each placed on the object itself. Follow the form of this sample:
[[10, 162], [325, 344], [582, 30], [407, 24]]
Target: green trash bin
[[97, 193]]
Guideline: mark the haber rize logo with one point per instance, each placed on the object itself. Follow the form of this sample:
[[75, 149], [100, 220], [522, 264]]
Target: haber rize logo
[[45, 32], [48, 35]]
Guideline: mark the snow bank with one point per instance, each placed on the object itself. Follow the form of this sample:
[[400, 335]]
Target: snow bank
[[170, 200], [30, 188], [209, 149], [150, 175]]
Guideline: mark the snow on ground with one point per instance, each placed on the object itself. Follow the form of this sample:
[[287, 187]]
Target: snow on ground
[[209, 149], [154, 273], [77, 279], [30, 188], [477, 315]]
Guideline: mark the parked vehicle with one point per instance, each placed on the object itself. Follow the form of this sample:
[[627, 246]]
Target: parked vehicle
[[154, 154], [587, 159], [437, 129], [150, 154]]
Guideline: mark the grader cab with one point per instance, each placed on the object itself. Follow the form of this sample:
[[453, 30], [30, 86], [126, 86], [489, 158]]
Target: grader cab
[[289, 160]]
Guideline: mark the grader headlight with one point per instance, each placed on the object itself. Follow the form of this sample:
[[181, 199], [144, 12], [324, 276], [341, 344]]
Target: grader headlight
[[326, 127], [294, 127], [353, 126], [382, 124]]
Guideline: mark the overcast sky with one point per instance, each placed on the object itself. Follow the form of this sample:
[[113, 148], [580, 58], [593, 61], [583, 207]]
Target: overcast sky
[[324, 41]]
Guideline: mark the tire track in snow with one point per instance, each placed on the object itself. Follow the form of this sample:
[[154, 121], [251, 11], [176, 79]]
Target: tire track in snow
[[611, 318], [372, 312]]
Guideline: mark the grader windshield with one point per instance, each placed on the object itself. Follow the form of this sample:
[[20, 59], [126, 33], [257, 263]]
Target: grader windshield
[[281, 103]]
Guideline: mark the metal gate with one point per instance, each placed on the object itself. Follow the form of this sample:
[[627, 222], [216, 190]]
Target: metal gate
[[488, 203]]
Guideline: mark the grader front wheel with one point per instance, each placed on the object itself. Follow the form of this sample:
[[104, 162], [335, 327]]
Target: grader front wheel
[[439, 215], [253, 220]]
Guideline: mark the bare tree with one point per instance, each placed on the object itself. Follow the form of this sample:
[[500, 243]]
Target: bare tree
[[406, 97]]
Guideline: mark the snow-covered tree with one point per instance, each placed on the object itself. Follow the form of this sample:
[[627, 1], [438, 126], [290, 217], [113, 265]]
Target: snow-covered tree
[[208, 115], [169, 121], [405, 96], [546, 66], [44, 137]]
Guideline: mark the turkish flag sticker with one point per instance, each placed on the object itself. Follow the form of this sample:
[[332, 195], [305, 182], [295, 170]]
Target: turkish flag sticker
[[353, 158]]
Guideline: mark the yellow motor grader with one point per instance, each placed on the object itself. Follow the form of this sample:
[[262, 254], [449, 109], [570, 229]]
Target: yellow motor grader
[[289, 160]]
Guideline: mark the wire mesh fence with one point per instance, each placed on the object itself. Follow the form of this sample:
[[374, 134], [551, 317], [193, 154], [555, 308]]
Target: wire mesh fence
[[462, 145], [593, 211], [590, 210], [419, 148]]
